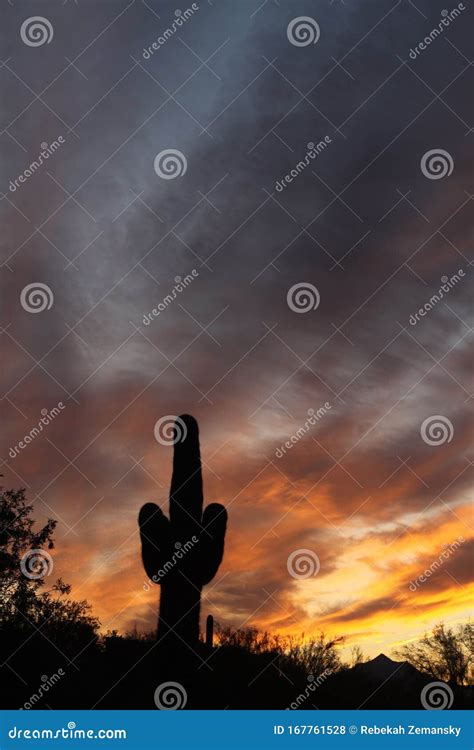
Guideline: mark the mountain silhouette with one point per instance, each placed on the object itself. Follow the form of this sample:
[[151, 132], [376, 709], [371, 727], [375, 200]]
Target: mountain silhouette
[[384, 683], [383, 668]]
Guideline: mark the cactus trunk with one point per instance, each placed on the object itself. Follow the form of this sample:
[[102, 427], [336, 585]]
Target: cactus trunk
[[178, 621]]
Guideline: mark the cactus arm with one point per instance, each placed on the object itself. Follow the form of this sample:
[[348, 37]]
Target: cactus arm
[[155, 536], [214, 523]]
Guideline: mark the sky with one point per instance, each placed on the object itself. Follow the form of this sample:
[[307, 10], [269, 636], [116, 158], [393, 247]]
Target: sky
[[335, 426]]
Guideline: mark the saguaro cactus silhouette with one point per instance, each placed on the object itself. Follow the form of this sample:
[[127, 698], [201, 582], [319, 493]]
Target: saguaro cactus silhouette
[[184, 552]]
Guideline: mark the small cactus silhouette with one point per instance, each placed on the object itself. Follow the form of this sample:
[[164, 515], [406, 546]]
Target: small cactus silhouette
[[184, 552], [209, 631]]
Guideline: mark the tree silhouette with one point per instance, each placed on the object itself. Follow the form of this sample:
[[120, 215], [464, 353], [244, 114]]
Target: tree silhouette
[[446, 653], [182, 553], [17, 538], [26, 612]]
